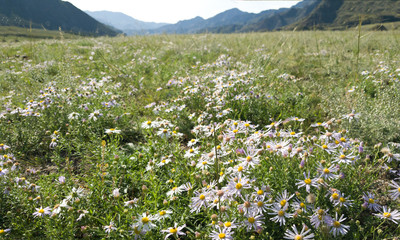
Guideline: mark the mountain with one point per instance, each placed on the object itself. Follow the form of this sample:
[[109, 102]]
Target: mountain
[[305, 15], [51, 15], [234, 20], [198, 24], [341, 14], [123, 22]]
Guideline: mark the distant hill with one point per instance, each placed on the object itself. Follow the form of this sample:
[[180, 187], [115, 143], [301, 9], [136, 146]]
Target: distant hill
[[341, 14], [305, 15], [51, 15], [234, 20], [123, 22]]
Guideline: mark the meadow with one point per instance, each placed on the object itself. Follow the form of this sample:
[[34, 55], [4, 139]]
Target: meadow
[[280, 135]]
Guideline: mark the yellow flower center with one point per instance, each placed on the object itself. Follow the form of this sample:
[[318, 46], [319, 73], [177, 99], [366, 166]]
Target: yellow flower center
[[191, 150], [1, 231], [173, 230], [112, 129], [163, 161], [192, 140], [240, 168], [164, 130], [228, 224], [260, 204], [204, 162], [326, 171], [148, 122], [321, 212], [292, 133], [342, 156], [283, 202], [221, 235], [336, 224], [342, 139], [145, 220], [239, 186], [307, 181], [398, 189], [371, 200], [335, 196], [336, 141], [235, 131], [202, 197], [218, 147], [41, 211], [342, 199], [298, 237], [281, 213], [318, 123], [251, 220], [249, 158], [247, 125], [386, 214], [174, 188], [302, 205], [324, 146], [235, 123], [260, 192]]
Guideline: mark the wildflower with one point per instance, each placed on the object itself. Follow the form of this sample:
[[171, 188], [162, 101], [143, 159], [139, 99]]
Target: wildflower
[[394, 193], [199, 201], [131, 203], [176, 231], [40, 212], [76, 194], [109, 228], [389, 215], [116, 193], [283, 199], [235, 188], [145, 222], [73, 115], [224, 233], [164, 214], [342, 201], [112, 130], [174, 191], [61, 180], [351, 116], [307, 182], [371, 202], [295, 235], [280, 213], [341, 157], [327, 172], [337, 227], [253, 221], [230, 224], [320, 217], [3, 172]]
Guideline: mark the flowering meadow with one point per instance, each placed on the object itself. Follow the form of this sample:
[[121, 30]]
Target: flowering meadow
[[250, 136]]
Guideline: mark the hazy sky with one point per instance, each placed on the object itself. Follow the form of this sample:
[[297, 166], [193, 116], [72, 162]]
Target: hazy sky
[[172, 11]]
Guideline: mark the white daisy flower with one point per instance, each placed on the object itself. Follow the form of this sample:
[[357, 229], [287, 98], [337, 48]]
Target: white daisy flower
[[386, 213], [337, 228], [295, 235], [40, 212], [109, 228], [175, 231]]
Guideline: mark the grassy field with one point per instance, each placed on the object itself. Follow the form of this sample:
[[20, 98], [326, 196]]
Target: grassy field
[[247, 136]]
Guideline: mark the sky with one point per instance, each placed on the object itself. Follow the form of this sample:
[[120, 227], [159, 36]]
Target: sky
[[172, 11]]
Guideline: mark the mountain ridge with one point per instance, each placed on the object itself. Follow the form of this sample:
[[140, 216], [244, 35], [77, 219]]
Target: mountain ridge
[[51, 15]]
